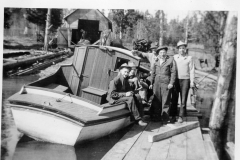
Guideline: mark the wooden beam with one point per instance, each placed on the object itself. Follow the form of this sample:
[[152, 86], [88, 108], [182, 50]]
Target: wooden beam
[[180, 128]]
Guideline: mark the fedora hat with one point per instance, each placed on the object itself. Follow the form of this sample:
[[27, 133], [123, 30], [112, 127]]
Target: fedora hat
[[132, 65], [124, 65], [181, 43], [162, 47]]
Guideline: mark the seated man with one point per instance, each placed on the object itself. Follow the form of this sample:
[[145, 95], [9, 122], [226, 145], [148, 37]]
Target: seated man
[[121, 91], [139, 85], [144, 85]]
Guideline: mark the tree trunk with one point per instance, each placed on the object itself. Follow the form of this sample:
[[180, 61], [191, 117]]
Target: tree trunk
[[225, 84], [46, 29], [186, 40], [161, 21]]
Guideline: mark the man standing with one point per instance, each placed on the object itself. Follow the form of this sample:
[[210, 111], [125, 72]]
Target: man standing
[[121, 91], [185, 79], [163, 78], [151, 57]]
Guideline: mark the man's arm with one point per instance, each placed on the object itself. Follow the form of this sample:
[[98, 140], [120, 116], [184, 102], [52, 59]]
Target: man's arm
[[173, 72], [153, 74], [143, 55]]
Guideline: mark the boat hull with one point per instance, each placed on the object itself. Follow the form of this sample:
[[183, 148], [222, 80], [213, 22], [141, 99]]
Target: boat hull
[[50, 127]]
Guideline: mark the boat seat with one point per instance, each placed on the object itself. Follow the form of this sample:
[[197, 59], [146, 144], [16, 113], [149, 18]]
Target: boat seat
[[57, 87], [94, 94], [109, 105]]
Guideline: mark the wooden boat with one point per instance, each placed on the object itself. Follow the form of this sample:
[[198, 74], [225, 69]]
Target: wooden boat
[[70, 106]]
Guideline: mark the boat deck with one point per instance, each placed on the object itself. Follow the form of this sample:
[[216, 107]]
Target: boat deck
[[173, 142], [78, 112]]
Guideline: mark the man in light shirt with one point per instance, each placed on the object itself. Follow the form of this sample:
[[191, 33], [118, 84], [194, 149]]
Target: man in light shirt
[[185, 80]]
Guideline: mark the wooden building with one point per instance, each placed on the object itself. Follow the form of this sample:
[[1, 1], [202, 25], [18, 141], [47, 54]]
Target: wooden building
[[92, 21]]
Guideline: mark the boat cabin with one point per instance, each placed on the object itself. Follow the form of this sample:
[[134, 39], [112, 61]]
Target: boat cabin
[[91, 71]]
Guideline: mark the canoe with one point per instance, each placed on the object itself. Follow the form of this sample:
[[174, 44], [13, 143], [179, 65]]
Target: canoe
[[69, 106]]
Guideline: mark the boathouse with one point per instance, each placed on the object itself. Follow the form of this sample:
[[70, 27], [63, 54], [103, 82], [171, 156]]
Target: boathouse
[[92, 21]]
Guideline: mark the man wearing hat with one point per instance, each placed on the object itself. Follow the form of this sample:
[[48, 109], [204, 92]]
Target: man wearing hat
[[163, 78], [184, 80], [151, 57], [120, 90]]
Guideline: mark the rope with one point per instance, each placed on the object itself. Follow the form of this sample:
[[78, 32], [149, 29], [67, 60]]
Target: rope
[[60, 99]]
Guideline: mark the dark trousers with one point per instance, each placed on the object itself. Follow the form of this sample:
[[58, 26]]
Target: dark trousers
[[181, 86], [161, 100], [134, 105]]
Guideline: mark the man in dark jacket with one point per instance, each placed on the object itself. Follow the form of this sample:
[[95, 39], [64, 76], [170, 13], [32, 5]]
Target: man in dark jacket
[[163, 78], [120, 90]]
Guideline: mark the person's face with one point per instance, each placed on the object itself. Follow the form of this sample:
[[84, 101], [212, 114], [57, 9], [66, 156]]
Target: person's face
[[124, 72], [162, 53], [132, 72], [182, 50], [154, 52]]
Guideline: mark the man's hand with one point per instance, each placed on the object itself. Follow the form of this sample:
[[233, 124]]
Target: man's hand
[[151, 87], [128, 94], [192, 85], [170, 86]]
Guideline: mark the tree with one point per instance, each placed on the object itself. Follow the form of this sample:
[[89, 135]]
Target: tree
[[38, 16], [125, 20], [175, 32], [7, 16], [226, 85]]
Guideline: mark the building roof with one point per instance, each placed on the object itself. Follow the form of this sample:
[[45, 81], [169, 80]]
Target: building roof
[[89, 14]]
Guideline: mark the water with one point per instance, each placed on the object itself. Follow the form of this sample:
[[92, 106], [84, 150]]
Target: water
[[205, 99], [16, 146]]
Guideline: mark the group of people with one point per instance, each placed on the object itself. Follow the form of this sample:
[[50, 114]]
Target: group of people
[[170, 75]]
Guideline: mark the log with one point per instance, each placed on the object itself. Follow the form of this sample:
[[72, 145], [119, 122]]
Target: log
[[227, 67], [225, 92], [174, 131], [29, 61]]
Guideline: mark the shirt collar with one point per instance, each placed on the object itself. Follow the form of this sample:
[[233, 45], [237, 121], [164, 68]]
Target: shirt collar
[[185, 57]]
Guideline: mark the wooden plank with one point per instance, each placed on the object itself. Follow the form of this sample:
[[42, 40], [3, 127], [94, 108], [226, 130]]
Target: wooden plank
[[195, 145], [180, 128], [210, 151], [141, 148], [159, 150], [190, 108], [120, 149], [178, 149], [194, 114], [230, 148]]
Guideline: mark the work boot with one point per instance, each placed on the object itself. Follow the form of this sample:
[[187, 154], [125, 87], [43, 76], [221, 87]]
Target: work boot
[[172, 119], [180, 120], [141, 123]]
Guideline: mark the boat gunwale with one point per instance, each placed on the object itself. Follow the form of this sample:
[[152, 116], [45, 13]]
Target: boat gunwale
[[123, 51], [59, 113]]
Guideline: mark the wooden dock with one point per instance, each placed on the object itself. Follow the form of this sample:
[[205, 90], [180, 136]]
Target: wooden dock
[[165, 142]]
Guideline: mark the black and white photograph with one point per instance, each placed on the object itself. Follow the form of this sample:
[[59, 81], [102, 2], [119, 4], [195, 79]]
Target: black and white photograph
[[112, 80]]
